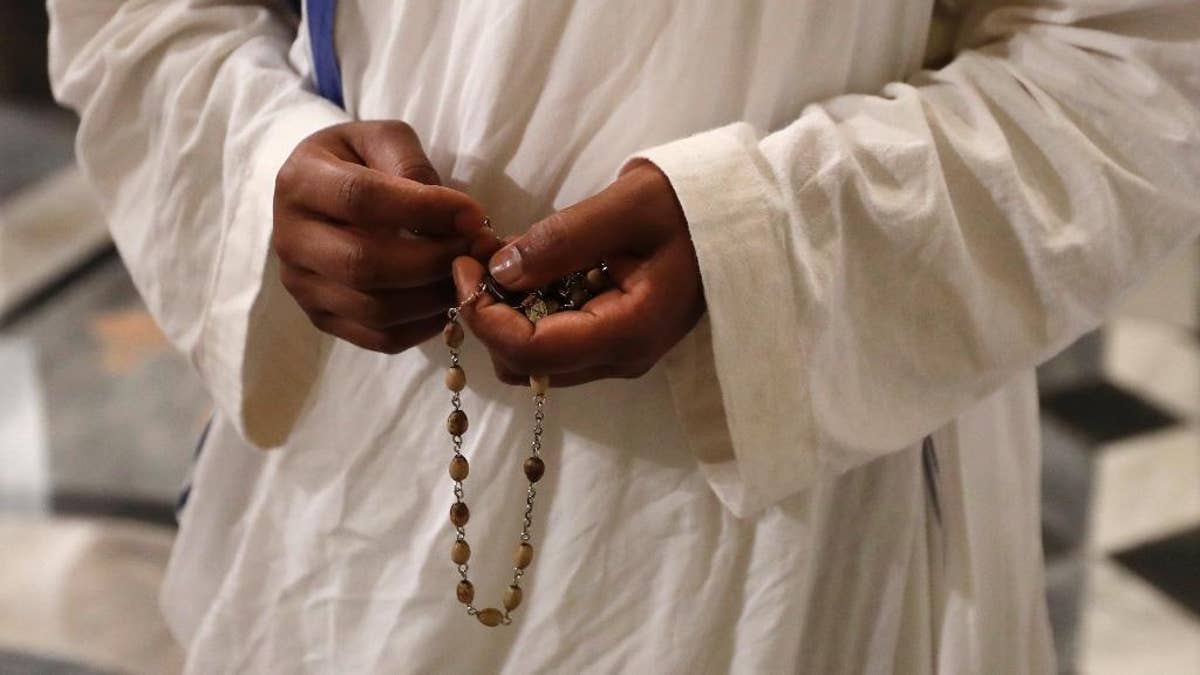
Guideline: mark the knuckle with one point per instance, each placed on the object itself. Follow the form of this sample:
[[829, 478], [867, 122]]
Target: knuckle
[[371, 312], [548, 235], [400, 128], [358, 267], [280, 243], [288, 175], [351, 192], [421, 172]]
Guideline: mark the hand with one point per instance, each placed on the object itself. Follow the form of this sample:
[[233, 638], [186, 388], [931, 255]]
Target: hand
[[637, 226], [365, 234]]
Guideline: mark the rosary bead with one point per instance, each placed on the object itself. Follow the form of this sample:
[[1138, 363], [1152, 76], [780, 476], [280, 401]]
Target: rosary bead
[[579, 297], [465, 592], [460, 553], [512, 597], [459, 514], [524, 555], [596, 280], [534, 468], [456, 424], [540, 384], [453, 335], [490, 616], [456, 378], [459, 468]]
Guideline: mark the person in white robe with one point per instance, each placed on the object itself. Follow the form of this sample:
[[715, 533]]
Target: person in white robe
[[892, 212]]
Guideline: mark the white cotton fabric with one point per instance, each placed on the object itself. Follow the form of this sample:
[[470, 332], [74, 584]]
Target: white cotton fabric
[[886, 253]]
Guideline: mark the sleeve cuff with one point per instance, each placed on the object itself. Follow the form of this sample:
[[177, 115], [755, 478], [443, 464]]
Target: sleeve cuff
[[745, 419], [271, 350]]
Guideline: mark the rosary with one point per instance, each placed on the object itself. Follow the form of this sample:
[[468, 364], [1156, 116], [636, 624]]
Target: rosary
[[569, 293]]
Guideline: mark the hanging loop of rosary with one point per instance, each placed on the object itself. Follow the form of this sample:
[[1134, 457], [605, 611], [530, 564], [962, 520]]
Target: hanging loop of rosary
[[569, 293]]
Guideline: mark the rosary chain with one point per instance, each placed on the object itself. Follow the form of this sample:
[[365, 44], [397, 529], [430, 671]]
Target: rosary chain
[[457, 425]]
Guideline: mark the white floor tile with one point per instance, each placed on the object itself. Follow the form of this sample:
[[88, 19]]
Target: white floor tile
[[1145, 487], [86, 591], [24, 477], [1157, 360], [1129, 628], [1171, 294]]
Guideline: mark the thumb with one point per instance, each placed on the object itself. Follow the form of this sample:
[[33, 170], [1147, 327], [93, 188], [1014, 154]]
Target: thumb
[[570, 240]]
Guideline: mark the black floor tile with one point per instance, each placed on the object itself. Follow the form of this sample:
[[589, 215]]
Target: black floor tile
[[1171, 564], [66, 503], [1104, 412], [14, 663]]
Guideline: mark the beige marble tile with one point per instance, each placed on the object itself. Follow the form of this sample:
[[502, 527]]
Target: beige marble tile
[[1171, 294], [1145, 487], [86, 591], [45, 230], [1157, 360], [1130, 628]]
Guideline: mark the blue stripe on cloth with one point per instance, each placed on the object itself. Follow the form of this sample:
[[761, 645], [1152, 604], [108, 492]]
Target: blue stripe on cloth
[[320, 16], [186, 492]]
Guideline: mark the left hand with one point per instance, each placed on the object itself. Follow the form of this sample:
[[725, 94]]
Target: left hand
[[635, 225]]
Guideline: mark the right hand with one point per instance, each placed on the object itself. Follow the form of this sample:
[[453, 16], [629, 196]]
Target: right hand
[[366, 234]]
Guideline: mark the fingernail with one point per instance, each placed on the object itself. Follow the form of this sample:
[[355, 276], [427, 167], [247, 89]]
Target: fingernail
[[505, 266]]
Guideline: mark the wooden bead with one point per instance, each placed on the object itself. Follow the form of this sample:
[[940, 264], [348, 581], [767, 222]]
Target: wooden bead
[[512, 597], [465, 592], [524, 555], [453, 335], [579, 297], [459, 468], [460, 553], [540, 384], [534, 468], [490, 616], [459, 514], [456, 423], [456, 378], [596, 280]]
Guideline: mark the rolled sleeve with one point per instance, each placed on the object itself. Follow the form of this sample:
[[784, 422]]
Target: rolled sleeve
[[734, 379], [256, 338]]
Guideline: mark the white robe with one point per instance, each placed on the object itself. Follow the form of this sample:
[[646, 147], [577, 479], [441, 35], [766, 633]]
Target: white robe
[[886, 253]]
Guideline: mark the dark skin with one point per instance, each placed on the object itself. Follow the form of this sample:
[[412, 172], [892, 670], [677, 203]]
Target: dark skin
[[347, 203]]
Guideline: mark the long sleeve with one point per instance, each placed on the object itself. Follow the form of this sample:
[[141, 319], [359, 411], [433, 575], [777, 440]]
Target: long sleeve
[[187, 111], [884, 262]]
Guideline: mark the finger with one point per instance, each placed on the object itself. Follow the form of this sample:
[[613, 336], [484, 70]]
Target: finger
[[393, 147], [627, 329], [508, 334], [468, 274], [390, 341], [365, 262], [485, 244], [380, 309], [321, 182], [576, 238], [610, 331]]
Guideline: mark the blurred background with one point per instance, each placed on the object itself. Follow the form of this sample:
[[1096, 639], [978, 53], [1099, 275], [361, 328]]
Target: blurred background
[[99, 418]]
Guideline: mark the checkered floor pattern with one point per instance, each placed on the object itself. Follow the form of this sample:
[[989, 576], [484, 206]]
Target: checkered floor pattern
[[1121, 494]]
